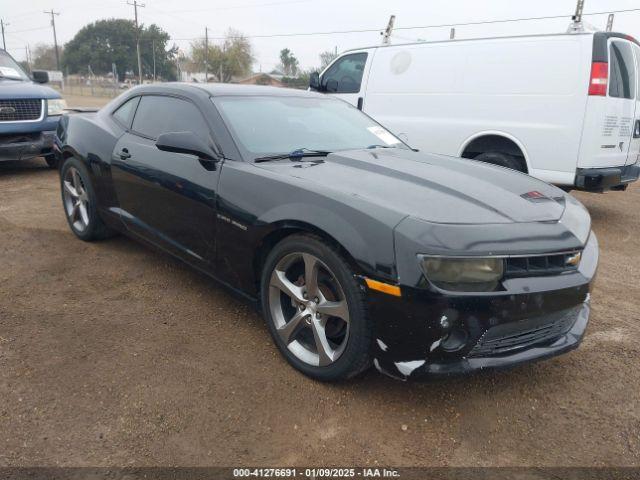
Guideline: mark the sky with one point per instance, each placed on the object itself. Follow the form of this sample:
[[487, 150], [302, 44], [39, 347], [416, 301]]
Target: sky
[[186, 20]]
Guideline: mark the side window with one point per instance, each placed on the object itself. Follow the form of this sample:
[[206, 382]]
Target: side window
[[159, 114], [125, 112], [622, 80], [345, 75]]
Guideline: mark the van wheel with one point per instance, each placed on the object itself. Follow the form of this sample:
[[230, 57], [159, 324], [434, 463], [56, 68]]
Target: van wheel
[[502, 160]]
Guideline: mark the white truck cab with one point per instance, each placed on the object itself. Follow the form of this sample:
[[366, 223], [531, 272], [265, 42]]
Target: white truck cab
[[564, 108]]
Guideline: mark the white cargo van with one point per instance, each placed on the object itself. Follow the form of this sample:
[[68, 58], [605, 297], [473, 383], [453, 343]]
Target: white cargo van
[[563, 108]]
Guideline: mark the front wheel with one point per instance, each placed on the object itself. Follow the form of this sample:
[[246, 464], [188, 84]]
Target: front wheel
[[80, 202], [315, 309]]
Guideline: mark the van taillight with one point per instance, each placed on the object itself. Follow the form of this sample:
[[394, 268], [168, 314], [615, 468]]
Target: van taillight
[[599, 79]]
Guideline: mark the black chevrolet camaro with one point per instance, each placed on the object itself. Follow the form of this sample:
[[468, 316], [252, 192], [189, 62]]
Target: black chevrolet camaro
[[358, 250]]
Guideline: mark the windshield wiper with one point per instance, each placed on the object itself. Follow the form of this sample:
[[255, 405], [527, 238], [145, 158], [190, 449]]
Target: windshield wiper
[[295, 155]]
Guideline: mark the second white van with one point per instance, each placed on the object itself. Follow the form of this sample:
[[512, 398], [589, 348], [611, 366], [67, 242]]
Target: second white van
[[564, 108]]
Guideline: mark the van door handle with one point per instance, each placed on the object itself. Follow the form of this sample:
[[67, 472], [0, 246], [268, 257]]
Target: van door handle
[[360, 103], [124, 154], [636, 129]]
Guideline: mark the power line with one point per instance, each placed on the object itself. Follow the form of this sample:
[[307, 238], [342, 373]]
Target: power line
[[417, 27]]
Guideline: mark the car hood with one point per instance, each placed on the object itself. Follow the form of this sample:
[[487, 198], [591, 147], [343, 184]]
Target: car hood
[[11, 89], [434, 188]]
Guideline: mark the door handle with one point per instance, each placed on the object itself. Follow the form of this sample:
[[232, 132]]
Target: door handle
[[124, 154], [636, 129], [360, 103]]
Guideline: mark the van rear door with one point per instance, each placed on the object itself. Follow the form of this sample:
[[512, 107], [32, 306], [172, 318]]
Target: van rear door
[[634, 147], [611, 107]]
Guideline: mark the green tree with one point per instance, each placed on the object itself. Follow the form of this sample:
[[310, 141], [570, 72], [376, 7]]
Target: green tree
[[233, 58], [288, 63], [44, 57], [105, 42]]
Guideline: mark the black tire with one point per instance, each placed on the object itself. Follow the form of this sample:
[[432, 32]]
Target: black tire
[[356, 356], [95, 228], [52, 161], [502, 160]]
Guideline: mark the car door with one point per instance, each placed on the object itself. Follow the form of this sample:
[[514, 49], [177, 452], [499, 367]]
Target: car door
[[343, 78], [167, 198]]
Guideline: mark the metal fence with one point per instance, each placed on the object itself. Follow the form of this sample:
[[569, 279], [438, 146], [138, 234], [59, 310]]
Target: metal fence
[[90, 87]]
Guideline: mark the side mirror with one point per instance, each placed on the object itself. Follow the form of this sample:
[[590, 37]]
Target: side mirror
[[331, 86], [185, 142], [40, 76], [314, 81]]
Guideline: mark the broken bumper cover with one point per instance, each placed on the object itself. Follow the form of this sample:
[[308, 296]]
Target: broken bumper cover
[[524, 354], [25, 146], [426, 333], [601, 179]]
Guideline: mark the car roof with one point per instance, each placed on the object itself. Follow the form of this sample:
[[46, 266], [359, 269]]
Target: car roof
[[231, 89]]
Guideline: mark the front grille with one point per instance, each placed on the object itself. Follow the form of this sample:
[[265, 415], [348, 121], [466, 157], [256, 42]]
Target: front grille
[[20, 110], [511, 336], [552, 264]]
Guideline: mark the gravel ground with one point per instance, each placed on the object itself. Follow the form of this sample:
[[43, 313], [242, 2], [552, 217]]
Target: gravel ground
[[113, 354]]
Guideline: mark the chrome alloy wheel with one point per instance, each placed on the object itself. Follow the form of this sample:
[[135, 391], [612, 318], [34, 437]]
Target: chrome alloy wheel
[[309, 309], [76, 200]]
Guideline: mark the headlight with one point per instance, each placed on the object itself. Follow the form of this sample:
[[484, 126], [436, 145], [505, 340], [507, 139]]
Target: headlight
[[56, 106], [464, 274]]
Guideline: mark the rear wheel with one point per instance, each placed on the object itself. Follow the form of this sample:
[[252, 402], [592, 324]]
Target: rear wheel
[[503, 160], [315, 309], [79, 202]]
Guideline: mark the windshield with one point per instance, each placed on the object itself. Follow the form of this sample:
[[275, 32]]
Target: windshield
[[279, 125], [9, 68]]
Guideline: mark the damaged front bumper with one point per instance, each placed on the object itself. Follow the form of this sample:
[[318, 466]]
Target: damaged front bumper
[[426, 333], [23, 146]]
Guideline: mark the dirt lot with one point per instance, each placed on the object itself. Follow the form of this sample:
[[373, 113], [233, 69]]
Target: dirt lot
[[112, 354]]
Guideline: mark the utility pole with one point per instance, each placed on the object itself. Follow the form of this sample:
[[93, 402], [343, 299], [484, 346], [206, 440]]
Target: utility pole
[[4, 43], [386, 35], [55, 38], [154, 59], [610, 22], [206, 55], [135, 5]]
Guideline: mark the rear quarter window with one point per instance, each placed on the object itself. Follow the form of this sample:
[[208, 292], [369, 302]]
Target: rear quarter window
[[124, 113], [622, 76]]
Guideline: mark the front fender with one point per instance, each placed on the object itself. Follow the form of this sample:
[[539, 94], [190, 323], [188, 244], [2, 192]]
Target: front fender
[[254, 203]]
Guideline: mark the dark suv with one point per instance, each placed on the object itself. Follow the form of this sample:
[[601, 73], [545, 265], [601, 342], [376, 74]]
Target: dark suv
[[29, 113]]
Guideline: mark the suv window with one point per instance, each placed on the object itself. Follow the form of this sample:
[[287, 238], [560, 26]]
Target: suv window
[[158, 114], [345, 75], [125, 112], [623, 71]]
